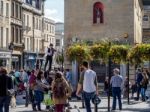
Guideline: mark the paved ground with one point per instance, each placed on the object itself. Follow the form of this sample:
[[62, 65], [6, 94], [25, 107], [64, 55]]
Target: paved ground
[[134, 106]]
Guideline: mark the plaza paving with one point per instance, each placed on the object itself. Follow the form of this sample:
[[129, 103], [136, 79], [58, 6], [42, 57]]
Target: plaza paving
[[135, 106]]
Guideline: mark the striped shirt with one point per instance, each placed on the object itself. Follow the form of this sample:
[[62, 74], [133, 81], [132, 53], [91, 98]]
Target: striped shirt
[[116, 81]]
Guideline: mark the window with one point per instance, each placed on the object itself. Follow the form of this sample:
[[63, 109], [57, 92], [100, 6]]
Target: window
[[20, 36], [98, 16], [1, 11], [37, 22], [1, 35], [13, 5], [7, 9], [27, 20], [12, 33], [16, 35], [145, 18], [24, 19], [57, 42], [17, 10], [20, 10], [7, 36]]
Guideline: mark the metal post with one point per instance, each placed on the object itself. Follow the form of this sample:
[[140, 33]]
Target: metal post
[[109, 73], [62, 60], [96, 108], [128, 82]]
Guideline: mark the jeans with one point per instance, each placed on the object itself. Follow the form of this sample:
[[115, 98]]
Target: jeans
[[48, 59], [39, 97], [143, 90], [87, 98], [116, 92], [138, 91], [32, 98], [4, 103]]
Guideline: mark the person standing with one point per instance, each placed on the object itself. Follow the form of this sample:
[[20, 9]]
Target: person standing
[[116, 82], [89, 83], [49, 56], [61, 92], [139, 78], [7, 84], [144, 84]]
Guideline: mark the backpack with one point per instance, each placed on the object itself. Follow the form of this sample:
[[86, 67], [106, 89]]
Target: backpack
[[59, 89]]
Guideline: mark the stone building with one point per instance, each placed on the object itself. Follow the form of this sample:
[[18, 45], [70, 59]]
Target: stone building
[[59, 41], [99, 19], [146, 21], [49, 32], [16, 33], [5, 36], [33, 36], [49, 35], [93, 20]]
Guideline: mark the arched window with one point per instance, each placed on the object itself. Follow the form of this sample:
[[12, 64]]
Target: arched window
[[98, 14]]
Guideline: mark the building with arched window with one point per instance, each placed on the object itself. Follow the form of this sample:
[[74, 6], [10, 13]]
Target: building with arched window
[[98, 19], [98, 13], [94, 20]]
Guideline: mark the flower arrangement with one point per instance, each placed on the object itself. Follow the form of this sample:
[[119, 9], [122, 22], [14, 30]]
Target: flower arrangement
[[78, 52], [99, 51], [118, 53], [139, 53]]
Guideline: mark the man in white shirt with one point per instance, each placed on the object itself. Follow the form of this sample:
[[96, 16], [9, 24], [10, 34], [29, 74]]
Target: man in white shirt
[[88, 80], [49, 56]]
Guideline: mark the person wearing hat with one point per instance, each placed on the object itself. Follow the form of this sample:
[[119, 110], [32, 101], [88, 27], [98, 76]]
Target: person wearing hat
[[49, 56]]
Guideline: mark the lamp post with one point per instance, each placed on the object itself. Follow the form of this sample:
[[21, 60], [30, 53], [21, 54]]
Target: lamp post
[[127, 69], [109, 75]]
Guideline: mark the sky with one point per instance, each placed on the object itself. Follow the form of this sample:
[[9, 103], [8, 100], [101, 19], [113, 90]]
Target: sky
[[54, 9]]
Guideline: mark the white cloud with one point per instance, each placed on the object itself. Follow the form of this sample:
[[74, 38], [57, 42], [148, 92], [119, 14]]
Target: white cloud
[[49, 12], [52, 14]]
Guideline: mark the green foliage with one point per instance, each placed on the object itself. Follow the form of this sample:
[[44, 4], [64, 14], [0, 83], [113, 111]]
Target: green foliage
[[99, 50], [59, 58], [118, 53], [78, 52], [139, 53]]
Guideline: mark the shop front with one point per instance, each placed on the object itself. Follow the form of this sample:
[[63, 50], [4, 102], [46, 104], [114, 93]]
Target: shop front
[[5, 59], [29, 60]]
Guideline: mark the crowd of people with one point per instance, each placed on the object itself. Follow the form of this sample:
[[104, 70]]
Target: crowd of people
[[37, 83], [57, 87]]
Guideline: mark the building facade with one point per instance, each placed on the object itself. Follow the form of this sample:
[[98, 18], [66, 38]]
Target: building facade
[[94, 20], [16, 34], [146, 22], [49, 35], [5, 30], [33, 36], [59, 41], [49, 32], [99, 19]]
